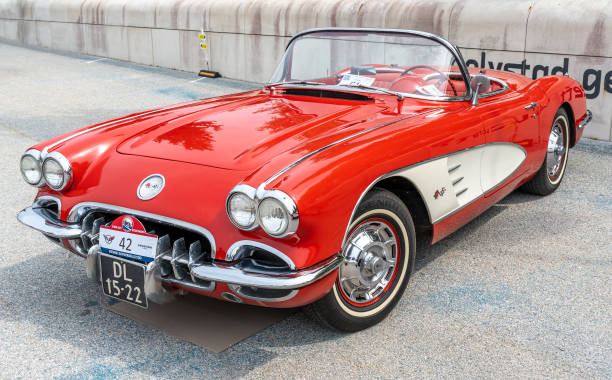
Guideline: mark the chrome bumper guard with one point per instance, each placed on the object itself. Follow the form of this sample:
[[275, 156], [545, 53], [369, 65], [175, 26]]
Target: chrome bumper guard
[[587, 119], [242, 272]]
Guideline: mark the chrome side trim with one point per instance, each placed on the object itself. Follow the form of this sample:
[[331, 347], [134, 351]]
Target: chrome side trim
[[453, 49], [243, 276], [587, 119], [303, 158], [232, 252], [79, 211]]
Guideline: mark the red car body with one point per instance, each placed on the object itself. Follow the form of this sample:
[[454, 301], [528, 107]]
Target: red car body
[[326, 153]]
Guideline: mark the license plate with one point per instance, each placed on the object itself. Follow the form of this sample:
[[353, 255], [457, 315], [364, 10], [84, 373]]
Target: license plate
[[126, 237], [123, 280]]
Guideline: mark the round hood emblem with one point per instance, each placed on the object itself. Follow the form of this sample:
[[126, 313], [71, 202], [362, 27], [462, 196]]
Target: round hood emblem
[[150, 187]]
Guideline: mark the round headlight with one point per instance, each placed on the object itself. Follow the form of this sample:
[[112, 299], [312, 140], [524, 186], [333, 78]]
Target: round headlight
[[57, 171], [273, 217], [30, 169], [54, 173], [241, 210]]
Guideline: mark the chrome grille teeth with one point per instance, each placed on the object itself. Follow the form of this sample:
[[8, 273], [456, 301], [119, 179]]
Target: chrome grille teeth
[[164, 255], [196, 257], [95, 230], [180, 259], [86, 227], [173, 258]]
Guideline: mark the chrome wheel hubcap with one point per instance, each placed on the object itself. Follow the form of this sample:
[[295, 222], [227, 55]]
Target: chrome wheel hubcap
[[370, 258], [556, 150]]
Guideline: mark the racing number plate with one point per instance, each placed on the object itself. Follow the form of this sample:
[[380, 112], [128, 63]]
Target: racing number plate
[[123, 279], [127, 237]]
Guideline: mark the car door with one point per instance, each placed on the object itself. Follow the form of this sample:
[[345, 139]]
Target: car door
[[512, 134]]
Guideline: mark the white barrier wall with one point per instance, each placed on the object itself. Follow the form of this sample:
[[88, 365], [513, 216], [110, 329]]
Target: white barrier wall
[[245, 38]]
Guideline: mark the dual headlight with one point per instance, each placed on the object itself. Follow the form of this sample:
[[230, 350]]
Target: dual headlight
[[273, 210], [54, 169]]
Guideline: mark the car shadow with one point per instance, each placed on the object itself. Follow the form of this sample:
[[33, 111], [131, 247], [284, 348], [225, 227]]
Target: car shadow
[[427, 253]]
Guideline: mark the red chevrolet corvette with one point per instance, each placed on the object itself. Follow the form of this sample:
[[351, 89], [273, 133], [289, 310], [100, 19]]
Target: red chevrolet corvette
[[311, 191]]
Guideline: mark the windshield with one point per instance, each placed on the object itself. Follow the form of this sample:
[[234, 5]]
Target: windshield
[[404, 63]]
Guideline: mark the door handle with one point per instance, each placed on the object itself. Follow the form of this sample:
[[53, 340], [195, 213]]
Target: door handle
[[531, 105]]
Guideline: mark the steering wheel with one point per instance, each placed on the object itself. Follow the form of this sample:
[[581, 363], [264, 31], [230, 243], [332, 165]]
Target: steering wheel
[[443, 77]]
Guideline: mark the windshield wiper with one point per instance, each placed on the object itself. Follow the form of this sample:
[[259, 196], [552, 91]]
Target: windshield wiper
[[389, 92], [294, 82]]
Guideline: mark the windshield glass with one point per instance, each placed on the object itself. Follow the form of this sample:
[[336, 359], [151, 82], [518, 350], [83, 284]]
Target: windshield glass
[[408, 64]]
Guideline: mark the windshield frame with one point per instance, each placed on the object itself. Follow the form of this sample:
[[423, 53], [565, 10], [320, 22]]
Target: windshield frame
[[456, 53]]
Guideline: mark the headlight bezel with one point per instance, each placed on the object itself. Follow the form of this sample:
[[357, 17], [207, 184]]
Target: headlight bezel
[[249, 192], [259, 195], [35, 155], [242, 193], [65, 166], [290, 210]]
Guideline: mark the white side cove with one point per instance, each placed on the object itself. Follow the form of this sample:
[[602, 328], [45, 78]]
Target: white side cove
[[451, 182]]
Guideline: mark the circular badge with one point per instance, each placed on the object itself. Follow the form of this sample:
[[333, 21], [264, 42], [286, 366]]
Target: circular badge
[[150, 187]]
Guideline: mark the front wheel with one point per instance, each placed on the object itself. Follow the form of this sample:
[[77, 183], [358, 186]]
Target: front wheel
[[549, 176], [378, 260]]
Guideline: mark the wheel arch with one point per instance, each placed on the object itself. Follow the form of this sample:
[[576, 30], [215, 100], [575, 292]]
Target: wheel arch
[[572, 121], [408, 193]]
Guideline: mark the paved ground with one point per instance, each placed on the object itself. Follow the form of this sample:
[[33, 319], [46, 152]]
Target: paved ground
[[525, 290]]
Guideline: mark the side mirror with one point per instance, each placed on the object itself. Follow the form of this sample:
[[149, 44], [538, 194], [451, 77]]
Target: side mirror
[[479, 84]]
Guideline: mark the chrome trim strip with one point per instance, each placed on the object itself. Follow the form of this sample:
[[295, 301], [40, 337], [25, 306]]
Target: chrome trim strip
[[393, 172], [303, 158], [234, 274], [79, 211], [453, 49], [42, 220], [231, 254], [587, 119]]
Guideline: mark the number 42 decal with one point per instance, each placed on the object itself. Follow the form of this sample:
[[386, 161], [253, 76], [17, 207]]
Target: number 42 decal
[[125, 243]]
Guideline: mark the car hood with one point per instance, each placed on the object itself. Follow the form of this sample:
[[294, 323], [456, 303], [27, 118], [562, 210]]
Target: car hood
[[247, 133]]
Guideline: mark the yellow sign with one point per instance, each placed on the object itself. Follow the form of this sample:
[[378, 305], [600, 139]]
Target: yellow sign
[[204, 46], [202, 36]]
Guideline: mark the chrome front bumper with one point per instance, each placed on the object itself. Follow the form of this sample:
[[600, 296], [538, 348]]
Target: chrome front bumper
[[43, 220], [238, 273]]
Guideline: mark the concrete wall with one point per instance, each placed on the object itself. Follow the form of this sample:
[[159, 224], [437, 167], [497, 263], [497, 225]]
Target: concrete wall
[[245, 38]]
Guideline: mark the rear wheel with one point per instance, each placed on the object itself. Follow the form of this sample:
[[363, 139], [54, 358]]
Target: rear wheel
[[549, 177], [378, 259]]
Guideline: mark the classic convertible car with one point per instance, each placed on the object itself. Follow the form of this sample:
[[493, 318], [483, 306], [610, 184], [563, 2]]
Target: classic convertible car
[[311, 191]]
